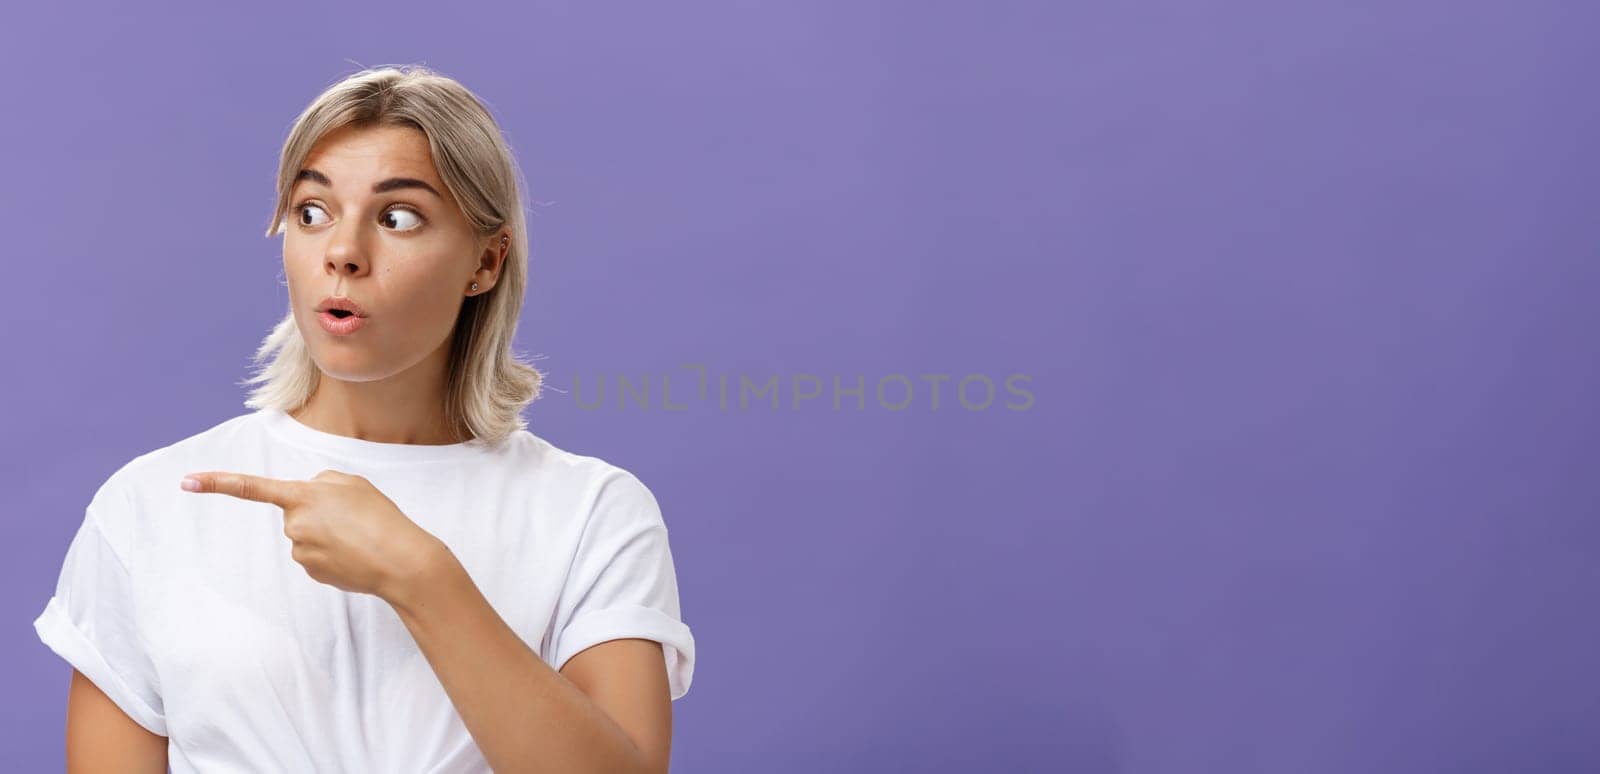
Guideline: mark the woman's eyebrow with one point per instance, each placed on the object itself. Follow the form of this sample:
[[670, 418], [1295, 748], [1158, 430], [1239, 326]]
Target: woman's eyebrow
[[392, 184]]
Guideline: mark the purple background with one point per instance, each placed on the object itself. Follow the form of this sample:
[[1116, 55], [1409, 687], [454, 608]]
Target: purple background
[[1305, 293]]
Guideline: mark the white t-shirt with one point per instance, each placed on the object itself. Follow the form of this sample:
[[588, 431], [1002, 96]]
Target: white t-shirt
[[189, 612]]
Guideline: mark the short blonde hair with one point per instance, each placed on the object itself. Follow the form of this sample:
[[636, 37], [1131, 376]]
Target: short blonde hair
[[488, 385]]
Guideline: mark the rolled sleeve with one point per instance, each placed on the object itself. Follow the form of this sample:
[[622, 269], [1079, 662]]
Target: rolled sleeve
[[623, 583], [90, 622]]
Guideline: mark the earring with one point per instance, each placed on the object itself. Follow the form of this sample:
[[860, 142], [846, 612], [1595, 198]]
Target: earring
[[474, 286]]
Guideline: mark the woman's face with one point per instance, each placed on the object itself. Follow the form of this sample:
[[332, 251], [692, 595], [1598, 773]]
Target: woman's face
[[369, 220]]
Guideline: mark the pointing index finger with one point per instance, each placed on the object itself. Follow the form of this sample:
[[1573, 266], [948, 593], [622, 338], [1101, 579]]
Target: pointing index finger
[[280, 492]]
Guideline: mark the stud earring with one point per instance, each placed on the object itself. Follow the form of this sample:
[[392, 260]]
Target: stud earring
[[474, 286]]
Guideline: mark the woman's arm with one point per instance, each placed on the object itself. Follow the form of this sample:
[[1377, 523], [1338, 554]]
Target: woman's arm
[[101, 737], [525, 716]]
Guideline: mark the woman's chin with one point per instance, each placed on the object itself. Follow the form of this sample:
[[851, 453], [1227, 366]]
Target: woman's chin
[[350, 367]]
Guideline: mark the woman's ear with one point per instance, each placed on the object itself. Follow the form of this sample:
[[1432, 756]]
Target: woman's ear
[[492, 261]]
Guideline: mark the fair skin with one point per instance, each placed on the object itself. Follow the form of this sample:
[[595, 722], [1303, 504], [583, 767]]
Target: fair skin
[[609, 708]]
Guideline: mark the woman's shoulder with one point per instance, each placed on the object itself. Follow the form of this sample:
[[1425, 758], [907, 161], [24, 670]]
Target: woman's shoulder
[[175, 458], [136, 485], [588, 472], [595, 484]]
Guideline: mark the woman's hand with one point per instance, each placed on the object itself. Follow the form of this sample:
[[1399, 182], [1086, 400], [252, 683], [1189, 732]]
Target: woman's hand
[[346, 533]]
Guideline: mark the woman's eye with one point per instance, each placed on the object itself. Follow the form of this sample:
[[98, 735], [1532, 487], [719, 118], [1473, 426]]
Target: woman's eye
[[305, 209], [395, 219], [391, 214]]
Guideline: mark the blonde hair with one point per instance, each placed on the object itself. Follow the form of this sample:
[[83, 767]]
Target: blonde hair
[[487, 385]]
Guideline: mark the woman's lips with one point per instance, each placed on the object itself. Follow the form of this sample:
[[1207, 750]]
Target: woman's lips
[[340, 326]]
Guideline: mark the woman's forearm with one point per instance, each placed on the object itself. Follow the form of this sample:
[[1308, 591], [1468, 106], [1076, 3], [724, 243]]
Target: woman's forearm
[[523, 715]]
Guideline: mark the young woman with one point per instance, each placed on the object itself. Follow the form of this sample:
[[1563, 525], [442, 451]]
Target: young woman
[[378, 569]]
